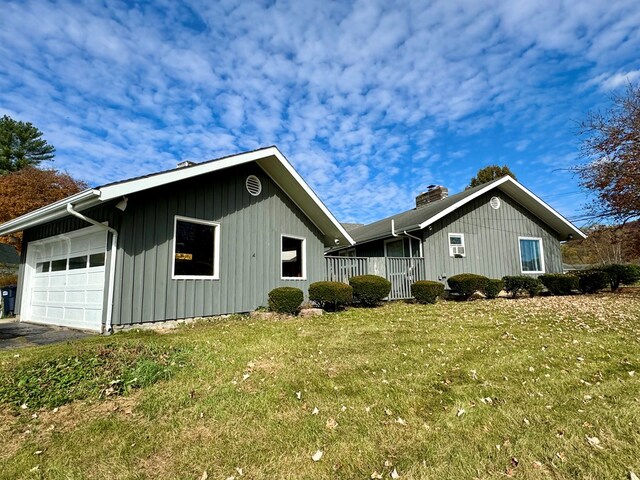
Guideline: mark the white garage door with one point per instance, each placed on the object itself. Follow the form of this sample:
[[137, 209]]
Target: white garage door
[[67, 279]]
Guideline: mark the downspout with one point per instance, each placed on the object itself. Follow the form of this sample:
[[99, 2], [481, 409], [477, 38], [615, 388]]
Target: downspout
[[112, 267], [393, 232], [417, 238]]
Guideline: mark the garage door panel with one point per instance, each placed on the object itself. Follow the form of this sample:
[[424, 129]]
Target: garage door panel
[[75, 297], [73, 294]]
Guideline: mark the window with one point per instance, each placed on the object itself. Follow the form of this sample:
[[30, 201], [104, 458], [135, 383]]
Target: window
[[293, 258], [531, 257], [42, 267], [96, 260], [394, 248], [195, 248], [76, 263], [456, 245], [59, 265]]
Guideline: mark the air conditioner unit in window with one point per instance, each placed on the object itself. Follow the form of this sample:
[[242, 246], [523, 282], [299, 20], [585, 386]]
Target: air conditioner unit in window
[[457, 250]]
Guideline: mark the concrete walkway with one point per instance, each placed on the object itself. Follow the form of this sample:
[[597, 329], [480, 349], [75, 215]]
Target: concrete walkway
[[17, 334]]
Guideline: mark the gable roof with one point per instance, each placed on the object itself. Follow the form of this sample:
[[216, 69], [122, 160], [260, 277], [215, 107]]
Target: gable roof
[[270, 159], [9, 255], [422, 217]]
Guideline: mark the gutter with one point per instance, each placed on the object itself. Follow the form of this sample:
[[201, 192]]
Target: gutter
[[404, 232], [50, 212], [112, 267]]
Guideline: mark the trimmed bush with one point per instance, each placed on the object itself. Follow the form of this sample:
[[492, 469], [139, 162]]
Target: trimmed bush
[[514, 284], [559, 283], [369, 290], [621, 274], [426, 291], [466, 284], [591, 281], [330, 295], [285, 300], [493, 288]]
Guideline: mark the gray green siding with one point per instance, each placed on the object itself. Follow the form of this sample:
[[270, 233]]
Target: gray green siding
[[491, 239], [250, 232]]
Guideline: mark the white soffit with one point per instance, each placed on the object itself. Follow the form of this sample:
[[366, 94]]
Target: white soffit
[[523, 196], [269, 159]]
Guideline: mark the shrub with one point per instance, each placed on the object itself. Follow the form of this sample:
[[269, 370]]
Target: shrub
[[591, 281], [514, 284], [426, 291], [559, 283], [493, 288], [466, 284], [6, 280], [285, 300], [369, 290], [621, 274], [330, 295]]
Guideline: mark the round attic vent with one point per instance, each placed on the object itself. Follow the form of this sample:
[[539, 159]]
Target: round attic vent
[[254, 185], [495, 203]]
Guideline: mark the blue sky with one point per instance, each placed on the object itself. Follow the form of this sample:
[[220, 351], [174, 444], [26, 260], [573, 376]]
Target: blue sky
[[370, 100]]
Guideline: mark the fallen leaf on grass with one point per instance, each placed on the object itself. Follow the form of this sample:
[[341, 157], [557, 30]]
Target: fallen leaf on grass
[[394, 473], [594, 442], [204, 476], [331, 424], [401, 421], [376, 475], [315, 411], [317, 456], [461, 412], [633, 476], [298, 395]]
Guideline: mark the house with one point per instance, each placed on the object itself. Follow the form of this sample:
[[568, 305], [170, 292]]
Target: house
[[202, 239], [9, 259], [495, 229]]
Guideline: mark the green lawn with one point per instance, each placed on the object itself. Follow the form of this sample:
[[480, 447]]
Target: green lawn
[[528, 388]]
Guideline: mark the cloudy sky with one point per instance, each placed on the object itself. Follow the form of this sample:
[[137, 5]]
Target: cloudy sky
[[370, 100]]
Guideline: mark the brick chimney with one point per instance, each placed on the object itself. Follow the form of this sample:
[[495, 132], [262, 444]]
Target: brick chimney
[[433, 194]]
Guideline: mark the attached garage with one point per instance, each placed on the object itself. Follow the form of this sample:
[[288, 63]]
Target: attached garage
[[207, 239], [66, 279]]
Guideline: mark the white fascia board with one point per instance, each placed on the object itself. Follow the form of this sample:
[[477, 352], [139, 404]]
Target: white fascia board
[[457, 205], [316, 200], [53, 211], [519, 187], [126, 188], [548, 209], [156, 180]]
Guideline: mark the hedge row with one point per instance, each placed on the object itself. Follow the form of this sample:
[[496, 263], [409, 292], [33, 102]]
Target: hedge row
[[366, 290], [585, 281], [370, 290]]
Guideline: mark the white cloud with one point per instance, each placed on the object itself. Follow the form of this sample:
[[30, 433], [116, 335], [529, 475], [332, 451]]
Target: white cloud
[[362, 97]]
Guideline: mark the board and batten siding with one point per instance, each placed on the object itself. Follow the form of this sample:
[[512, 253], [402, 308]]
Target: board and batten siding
[[490, 239], [250, 243], [250, 236]]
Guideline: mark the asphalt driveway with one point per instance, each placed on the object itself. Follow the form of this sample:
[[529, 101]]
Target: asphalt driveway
[[17, 334]]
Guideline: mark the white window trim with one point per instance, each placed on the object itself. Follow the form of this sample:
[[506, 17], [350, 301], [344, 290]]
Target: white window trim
[[216, 249], [461, 235], [391, 240], [539, 239], [304, 257]]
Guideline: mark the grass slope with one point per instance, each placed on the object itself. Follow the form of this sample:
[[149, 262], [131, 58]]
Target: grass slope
[[486, 389]]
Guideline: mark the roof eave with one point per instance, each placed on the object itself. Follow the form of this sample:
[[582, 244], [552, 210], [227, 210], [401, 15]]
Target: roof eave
[[563, 226], [53, 211]]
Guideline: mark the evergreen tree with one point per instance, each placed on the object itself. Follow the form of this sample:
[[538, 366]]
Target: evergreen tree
[[21, 146]]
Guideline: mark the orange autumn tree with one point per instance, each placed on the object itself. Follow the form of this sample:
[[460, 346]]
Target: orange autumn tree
[[31, 188]]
